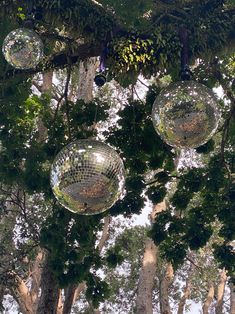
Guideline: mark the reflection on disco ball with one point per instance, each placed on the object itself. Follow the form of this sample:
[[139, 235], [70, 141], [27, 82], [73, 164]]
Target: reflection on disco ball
[[23, 48], [185, 114], [87, 177]]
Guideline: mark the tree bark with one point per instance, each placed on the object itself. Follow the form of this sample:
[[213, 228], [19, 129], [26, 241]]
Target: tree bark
[[232, 298], [21, 294], [146, 279], [60, 60], [105, 233], [50, 291], [47, 81], [148, 270], [165, 282], [13, 283], [2, 293], [60, 305], [187, 290], [209, 299], [87, 70], [36, 279], [184, 297], [69, 298], [220, 292]]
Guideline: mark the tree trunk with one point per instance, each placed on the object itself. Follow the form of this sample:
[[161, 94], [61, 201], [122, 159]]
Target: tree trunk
[[105, 233], [60, 305], [47, 81], [187, 290], [148, 270], [50, 291], [2, 293], [87, 70], [14, 284], [209, 299], [220, 292], [165, 282], [184, 297], [146, 279], [36, 279], [21, 294], [232, 298], [69, 298]]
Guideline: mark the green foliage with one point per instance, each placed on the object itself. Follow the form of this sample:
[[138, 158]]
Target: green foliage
[[132, 16], [135, 133], [123, 279], [72, 251], [225, 255], [114, 256], [193, 228], [206, 148], [141, 39], [97, 290]]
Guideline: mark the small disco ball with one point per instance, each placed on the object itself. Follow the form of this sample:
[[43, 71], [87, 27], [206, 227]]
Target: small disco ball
[[23, 48], [185, 114], [87, 177]]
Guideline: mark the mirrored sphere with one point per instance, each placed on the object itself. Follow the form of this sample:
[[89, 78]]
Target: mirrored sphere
[[185, 114], [23, 48], [87, 177]]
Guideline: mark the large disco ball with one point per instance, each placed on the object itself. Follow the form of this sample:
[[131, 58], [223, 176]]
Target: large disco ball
[[185, 114], [87, 177], [23, 48]]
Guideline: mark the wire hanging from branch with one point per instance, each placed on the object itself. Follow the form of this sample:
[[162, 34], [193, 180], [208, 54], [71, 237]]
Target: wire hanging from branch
[[185, 72]]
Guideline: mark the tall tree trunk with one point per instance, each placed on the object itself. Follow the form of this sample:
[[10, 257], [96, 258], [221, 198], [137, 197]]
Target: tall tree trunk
[[50, 291], [232, 298], [87, 70], [2, 293], [187, 290], [36, 278], [21, 294], [148, 270], [165, 282], [220, 292], [69, 298], [184, 297], [146, 279], [209, 299], [47, 81], [15, 285], [60, 305]]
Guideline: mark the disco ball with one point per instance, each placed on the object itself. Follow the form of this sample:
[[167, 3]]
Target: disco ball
[[87, 177], [185, 114], [23, 48]]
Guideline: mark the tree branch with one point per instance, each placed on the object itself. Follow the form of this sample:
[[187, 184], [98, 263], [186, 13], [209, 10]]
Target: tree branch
[[60, 60], [209, 299]]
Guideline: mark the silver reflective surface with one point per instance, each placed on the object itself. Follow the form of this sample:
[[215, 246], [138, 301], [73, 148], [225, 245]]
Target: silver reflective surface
[[23, 48], [185, 114], [87, 177]]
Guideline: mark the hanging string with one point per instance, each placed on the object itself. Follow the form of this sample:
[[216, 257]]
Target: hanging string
[[100, 78], [66, 100], [185, 73], [29, 19]]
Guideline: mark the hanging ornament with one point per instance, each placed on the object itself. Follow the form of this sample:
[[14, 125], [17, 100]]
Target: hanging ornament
[[100, 78], [87, 177], [23, 48], [185, 114]]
